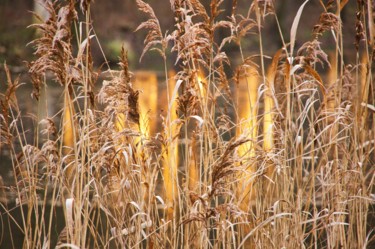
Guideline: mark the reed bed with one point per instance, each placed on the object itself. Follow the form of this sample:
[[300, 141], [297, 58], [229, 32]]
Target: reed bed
[[264, 153]]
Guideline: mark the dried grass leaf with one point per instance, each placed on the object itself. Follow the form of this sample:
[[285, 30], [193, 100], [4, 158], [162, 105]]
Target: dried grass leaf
[[293, 30]]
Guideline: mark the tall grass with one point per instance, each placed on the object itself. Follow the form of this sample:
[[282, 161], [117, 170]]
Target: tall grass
[[256, 154]]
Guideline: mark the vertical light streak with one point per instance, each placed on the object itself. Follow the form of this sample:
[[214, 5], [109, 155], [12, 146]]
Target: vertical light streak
[[170, 149], [248, 110], [147, 82]]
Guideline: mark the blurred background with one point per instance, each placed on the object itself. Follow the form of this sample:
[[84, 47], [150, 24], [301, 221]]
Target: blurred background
[[115, 21]]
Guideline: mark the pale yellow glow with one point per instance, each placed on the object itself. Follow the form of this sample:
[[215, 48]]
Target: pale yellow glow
[[170, 155], [170, 152], [120, 122], [202, 84], [268, 116], [248, 110], [147, 82]]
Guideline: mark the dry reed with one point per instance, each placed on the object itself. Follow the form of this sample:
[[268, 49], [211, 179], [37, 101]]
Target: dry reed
[[286, 162]]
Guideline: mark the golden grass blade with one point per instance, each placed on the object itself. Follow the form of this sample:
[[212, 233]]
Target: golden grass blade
[[68, 125], [69, 137], [363, 93], [332, 81], [363, 90], [371, 25]]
